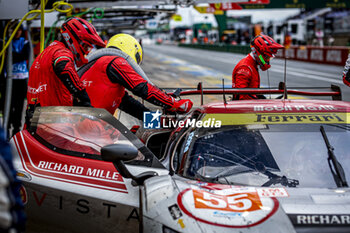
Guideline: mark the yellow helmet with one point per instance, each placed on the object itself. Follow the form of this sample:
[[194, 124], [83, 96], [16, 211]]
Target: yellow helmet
[[128, 44]]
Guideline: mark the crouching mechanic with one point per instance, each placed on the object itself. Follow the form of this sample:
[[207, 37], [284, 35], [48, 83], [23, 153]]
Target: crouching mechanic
[[53, 79], [109, 76], [246, 72]]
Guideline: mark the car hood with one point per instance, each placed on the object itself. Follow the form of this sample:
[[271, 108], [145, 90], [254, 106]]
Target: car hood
[[210, 207], [187, 206]]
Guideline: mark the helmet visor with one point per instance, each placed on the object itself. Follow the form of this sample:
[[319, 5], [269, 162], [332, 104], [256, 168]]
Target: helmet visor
[[138, 58]]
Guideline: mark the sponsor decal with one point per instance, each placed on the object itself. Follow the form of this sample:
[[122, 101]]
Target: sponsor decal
[[84, 206], [290, 53], [320, 219], [34, 90], [316, 55], [282, 118], [334, 56], [231, 207], [300, 118], [73, 169], [133, 215], [175, 211], [262, 108], [272, 192], [87, 83], [225, 214], [153, 120], [181, 223], [302, 54], [69, 169], [238, 202], [188, 142]]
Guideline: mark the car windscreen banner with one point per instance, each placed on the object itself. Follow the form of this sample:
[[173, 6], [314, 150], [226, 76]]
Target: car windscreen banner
[[281, 118]]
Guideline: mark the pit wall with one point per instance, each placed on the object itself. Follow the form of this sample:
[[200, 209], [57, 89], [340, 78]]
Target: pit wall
[[334, 55]]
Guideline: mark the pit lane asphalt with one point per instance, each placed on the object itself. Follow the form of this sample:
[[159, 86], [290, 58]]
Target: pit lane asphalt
[[176, 66]]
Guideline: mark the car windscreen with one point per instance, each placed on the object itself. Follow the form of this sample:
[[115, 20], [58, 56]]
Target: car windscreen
[[82, 132], [293, 155]]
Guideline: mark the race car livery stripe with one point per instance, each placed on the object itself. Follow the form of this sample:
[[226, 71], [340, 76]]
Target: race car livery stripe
[[42, 169], [62, 57], [280, 118], [160, 98]]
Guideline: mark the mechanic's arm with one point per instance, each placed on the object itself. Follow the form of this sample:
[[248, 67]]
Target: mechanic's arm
[[132, 106], [65, 70], [119, 71], [242, 79]]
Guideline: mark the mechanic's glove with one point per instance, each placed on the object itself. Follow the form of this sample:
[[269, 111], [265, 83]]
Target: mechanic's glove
[[183, 106]]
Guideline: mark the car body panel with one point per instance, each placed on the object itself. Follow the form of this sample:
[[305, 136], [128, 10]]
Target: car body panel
[[60, 187]]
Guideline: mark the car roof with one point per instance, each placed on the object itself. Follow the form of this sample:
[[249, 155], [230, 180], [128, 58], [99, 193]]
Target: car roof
[[277, 105]]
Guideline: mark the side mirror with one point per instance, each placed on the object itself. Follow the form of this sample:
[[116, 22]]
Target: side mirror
[[117, 154]]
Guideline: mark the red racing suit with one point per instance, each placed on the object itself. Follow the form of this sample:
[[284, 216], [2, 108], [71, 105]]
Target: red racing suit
[[53, 80], [107, 79], [246, 75]]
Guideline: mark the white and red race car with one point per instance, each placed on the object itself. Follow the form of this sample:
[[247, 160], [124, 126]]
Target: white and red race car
[[241, 166]]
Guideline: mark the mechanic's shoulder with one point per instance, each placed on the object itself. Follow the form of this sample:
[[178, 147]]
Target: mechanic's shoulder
[[61, 50], [120, 62], [244, 69]]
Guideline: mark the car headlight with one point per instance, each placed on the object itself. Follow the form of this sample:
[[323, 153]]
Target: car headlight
[[169, 230]]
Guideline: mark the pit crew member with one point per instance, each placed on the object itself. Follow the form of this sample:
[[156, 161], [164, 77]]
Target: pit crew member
[[107, 79], [53, 80], [246, 72]]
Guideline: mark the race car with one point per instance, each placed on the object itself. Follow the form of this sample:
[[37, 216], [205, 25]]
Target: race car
[[257, 166]]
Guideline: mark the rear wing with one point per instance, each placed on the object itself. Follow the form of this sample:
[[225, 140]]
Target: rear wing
[[333, 91]]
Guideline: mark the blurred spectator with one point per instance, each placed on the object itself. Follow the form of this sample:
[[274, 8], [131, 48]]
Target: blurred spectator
[[319, 36], [246, 37], [20, 53], [205, 40], [12, 216], [287, 40], [224, 38], [330, 40]]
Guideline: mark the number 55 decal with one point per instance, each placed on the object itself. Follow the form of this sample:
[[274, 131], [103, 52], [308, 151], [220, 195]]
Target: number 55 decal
[[238, 202]]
